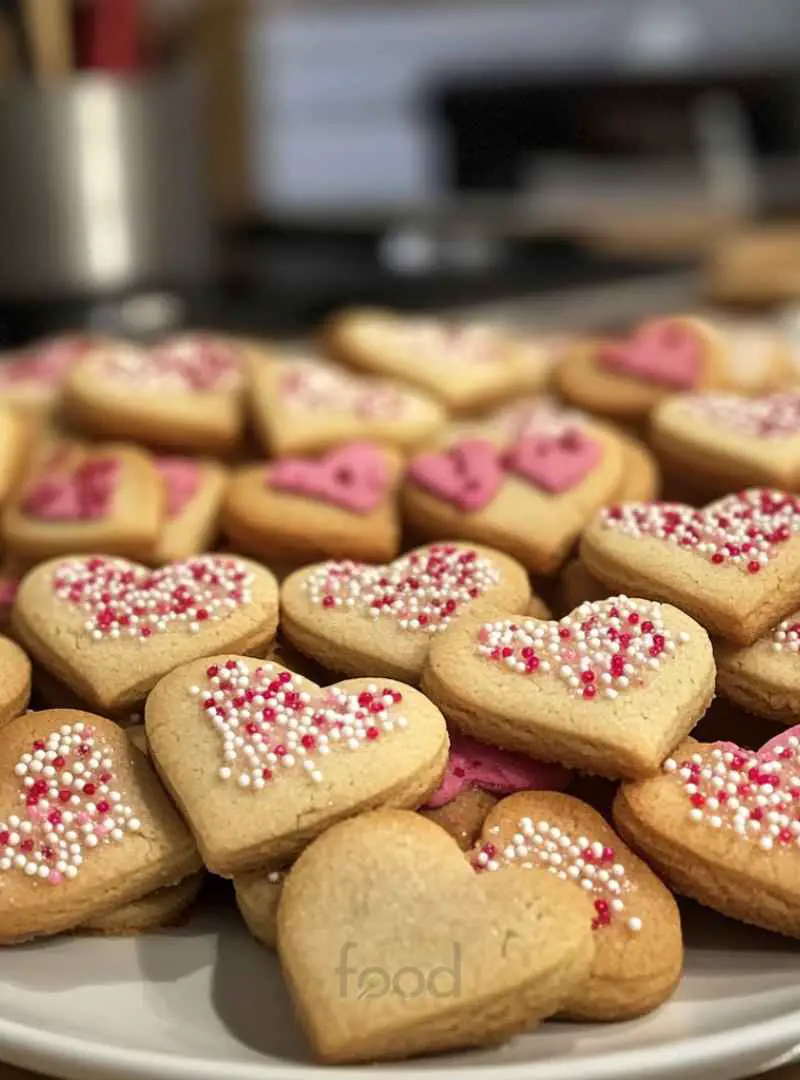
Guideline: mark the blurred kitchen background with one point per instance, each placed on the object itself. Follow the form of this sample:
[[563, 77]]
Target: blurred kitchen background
[[251, 165]]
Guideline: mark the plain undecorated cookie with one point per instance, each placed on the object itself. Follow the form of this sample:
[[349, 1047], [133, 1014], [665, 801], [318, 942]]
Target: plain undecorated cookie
[[388, 900], [160, 910], [257, 896]]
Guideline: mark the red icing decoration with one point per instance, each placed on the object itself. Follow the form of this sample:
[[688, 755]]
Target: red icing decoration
[[354, 477], [181, 478], [555, 463], [660, 352], [468, 475], [472, 764], [745, 530], [68, 807], [84, 494], [124, 600]]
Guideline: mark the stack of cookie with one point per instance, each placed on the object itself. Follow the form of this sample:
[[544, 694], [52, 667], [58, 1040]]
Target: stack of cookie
[[309, 658]]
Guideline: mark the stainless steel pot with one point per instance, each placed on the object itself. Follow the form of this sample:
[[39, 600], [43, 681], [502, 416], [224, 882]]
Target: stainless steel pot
[[102, 185]]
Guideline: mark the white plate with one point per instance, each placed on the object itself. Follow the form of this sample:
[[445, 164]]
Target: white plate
[[206, 1003]]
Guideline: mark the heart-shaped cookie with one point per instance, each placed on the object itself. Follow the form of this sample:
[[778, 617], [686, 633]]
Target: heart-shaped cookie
[[353, 618], [720, 824], [31, 378], [764, 677], [611, 688], [194, 489], [468, 367], [732, 565], [85, 826], [184, 394], [638, 948], [304, 405], [275, 759], [160, 910], [110, 629], [623, 380], [724, 442], [15, 681], [473, 765], [257, 897], [341, 504], [81, 498], [392, 946], [529, 497]]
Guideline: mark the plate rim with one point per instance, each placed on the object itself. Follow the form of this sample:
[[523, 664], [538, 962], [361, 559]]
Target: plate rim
[[34, 1048]]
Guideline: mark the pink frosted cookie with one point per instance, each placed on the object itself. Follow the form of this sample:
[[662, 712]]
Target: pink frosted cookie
[[31, 379], [475, 765], [468, 367], [109, 629], [339, 504], [529, 495], [623, 380], [85, 826], [574, 691], [352, 617], [275, 759], [724, 442], [81, 498], [304, 405], [720, 824], [734, 565], [193, 490], [637, 928], [183, 394]]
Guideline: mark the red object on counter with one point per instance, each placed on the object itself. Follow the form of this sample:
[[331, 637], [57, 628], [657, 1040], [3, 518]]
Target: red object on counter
[[109, 35]]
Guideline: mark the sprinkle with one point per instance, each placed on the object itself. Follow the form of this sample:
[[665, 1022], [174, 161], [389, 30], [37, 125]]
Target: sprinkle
[[314, 386], [268, 721], [591, 868], [423, 591], [186, 363], [775, 416], [600, 649], [123, 600], [744, 530], [437, 341], [68, 807], [756, 796], [786, 635]]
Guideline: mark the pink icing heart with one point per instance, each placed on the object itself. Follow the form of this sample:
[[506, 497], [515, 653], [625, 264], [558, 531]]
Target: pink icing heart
[[124, 600], [474, 765], [555, 463], [354, 477], [68, 807], [271, 723], [744, 530], [468, 475], [660, 352], [181, 477], [85, 494], [599, 650], [756, 795]]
